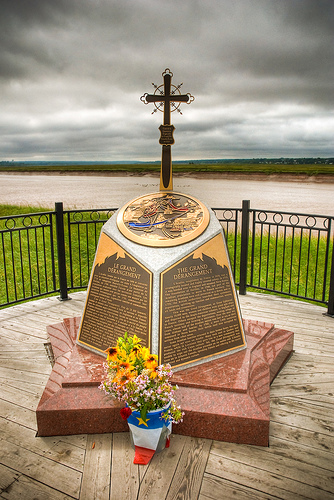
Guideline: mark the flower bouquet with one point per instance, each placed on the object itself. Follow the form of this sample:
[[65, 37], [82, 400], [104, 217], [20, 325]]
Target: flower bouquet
[[133, 376]]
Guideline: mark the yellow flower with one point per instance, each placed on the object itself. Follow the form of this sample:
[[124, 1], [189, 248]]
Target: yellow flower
[[145, 353], [133, 355], [135, 351], [151, 362], [121, 354], [136, 340]]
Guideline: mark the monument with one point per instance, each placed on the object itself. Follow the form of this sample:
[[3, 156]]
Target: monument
[[162, 272]]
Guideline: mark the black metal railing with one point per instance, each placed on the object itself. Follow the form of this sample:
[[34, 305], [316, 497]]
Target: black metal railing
[[292, 254], [27, 257], [277, 252]]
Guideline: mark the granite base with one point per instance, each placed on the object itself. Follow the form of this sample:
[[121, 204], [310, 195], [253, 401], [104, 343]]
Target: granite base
[[226, 399]]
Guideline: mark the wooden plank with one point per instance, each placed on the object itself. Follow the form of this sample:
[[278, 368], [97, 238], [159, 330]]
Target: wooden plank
[[30, 354], [320, 442], [19, 326], [277, 460], [50, 308], [96, 474], [315, 342], [290, 315], [25, 365], [79, 440], [278, 301], [12, 336], [303, 408], [321, 400], [300, 324], [314, 364], [35, 345], [28, 387], [124, 473], [28, 489], [188, 477], [314, 349], [51, 315], [217, 488], [290, 414], [296, 325], [7, 342], [51, 447], [303, 379], [18, 397], [65, 307], [10, 342], [313, 333], [66, 454], [274, 482], [31, 322], [7, 477], [161, 471], [281, 391], [36, 378], [19, 414], [317, 461], [42, 469]]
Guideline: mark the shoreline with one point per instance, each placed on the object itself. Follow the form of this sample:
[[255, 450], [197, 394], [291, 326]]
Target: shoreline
[[320, 178]]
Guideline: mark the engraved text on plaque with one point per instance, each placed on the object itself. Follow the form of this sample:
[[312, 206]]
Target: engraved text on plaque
[[200, 316], [118, 300]]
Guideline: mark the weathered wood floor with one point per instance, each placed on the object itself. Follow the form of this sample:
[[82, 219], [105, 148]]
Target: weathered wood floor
[[298, 464]]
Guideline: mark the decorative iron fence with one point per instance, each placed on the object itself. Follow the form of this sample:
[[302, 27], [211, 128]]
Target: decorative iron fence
[[277, 252]]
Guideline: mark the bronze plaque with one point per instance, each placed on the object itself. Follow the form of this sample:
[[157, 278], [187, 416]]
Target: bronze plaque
[[163, 219], [166, 134], [199, 310], [118, 299]]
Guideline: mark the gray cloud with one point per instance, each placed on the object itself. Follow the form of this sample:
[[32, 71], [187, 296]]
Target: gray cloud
[[72, 72]]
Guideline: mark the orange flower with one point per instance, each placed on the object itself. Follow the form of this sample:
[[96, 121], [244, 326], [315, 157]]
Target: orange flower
[[125, 366], [154, 372], [112, 353], [123, 376]]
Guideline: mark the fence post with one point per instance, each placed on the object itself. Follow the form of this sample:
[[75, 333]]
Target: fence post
[[61, 250], [330, 309], [244, 246]]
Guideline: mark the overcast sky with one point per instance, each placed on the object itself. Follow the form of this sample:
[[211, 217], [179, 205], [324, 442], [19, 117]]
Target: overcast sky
[[72, 73]]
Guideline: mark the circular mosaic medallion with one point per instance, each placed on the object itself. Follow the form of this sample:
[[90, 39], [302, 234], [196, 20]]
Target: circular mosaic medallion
[[163, 219]]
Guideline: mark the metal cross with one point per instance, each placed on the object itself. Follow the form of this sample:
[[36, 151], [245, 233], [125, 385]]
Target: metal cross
[[167, 99]]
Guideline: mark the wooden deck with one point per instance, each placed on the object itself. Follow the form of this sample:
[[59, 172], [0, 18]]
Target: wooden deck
[[298, 464]]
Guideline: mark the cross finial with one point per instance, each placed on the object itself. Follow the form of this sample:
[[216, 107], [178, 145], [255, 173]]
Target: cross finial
[[166, 98]]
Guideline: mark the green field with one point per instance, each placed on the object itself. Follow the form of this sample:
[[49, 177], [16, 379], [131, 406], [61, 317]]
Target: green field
[[236, 168]]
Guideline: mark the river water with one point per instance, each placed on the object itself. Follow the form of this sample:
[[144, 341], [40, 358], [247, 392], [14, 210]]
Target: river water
[[91, 191]]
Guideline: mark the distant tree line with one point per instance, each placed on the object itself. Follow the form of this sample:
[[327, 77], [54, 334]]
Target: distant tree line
[[253, 161]]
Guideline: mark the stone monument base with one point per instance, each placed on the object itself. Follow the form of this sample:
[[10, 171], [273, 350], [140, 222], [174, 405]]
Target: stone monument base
[[226, 399]]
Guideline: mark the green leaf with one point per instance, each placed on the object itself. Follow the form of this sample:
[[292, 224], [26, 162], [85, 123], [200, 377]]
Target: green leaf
[[143, 413]]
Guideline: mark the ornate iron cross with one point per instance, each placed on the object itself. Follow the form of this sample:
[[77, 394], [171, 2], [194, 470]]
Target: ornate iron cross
[[166, 98]]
